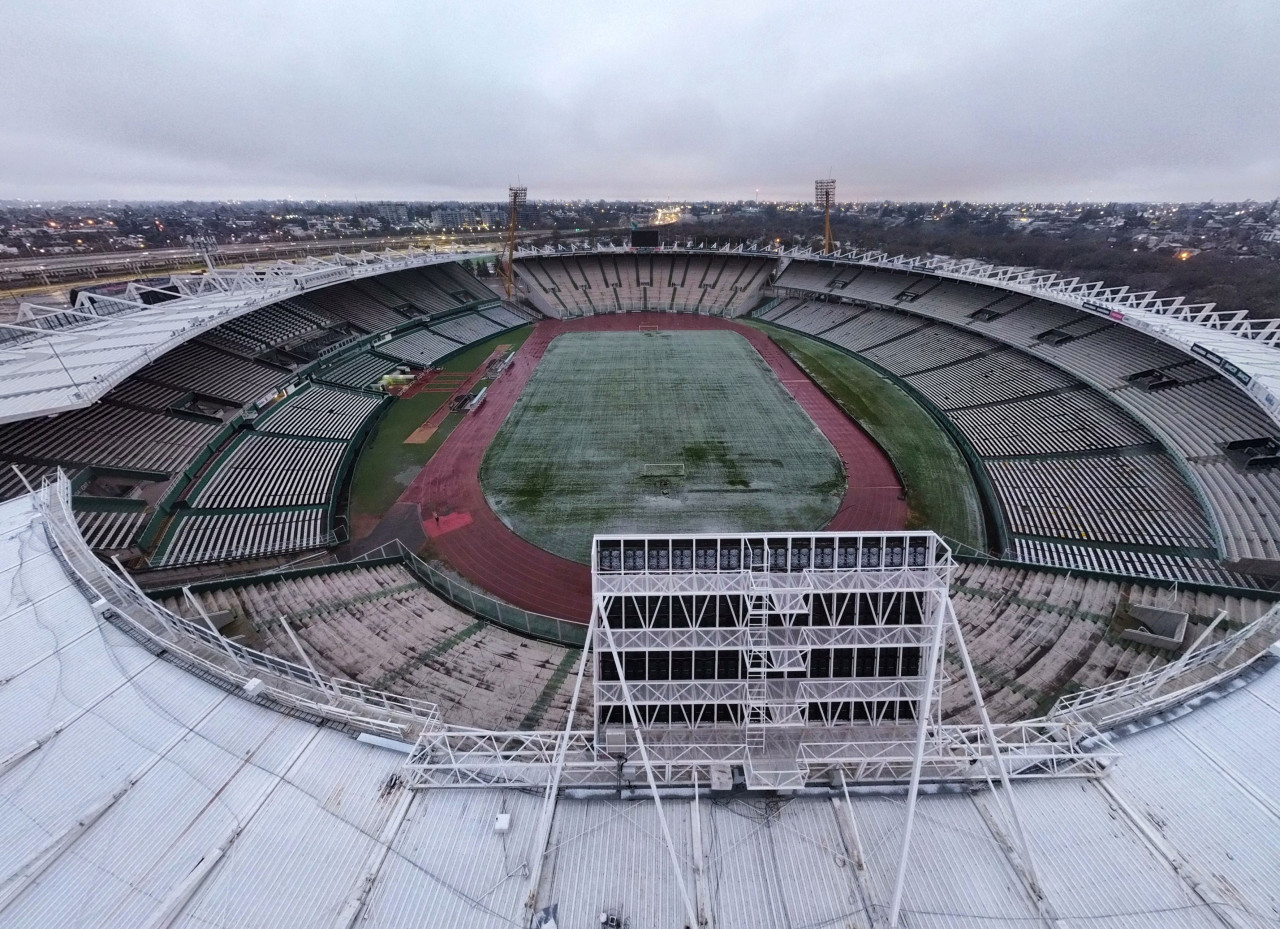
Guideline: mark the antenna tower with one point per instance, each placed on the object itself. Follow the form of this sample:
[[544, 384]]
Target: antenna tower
[[517, 197], [824, 193]]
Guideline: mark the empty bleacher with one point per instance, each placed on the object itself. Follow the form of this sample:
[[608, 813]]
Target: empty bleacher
[[471, 327], [206, 370], [275, 325], [504, 316], [1033, 635], [109, 436], [870, 328], [584, 285], [1076, 420], [205, 538], [110, 530], [362, 370], [1135, 499], [321, 412], [997, 364], [266, 470], [382, 627], [995, 377], [421, 348], [12, 486], [353, 304]]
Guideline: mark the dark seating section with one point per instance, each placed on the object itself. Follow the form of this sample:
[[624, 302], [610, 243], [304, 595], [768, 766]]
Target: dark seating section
[[1079, 419]]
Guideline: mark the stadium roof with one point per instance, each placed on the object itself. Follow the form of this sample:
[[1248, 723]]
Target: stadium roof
[[1247, 350], [54, 359], [135, 794]]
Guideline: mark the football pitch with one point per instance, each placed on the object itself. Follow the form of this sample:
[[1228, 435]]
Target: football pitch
[[665, 432]]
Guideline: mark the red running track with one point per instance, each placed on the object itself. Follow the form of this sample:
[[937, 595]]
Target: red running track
[[501, 562]]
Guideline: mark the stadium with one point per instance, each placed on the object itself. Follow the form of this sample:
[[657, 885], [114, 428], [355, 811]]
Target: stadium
[[643, 583]]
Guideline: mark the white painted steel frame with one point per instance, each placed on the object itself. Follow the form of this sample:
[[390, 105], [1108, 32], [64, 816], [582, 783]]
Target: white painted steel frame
[[54, 359], [207, 653], [882, 753]]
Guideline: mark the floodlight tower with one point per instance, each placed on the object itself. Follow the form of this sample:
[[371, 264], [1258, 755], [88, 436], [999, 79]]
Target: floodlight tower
[[516, 198], [824, 194]]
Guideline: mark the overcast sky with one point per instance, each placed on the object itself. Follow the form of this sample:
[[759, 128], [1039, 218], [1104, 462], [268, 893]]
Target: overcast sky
[[1108, 100]]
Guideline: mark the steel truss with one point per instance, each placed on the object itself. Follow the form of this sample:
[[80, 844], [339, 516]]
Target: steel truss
[[54, 359], [955, 754], [773, 736]]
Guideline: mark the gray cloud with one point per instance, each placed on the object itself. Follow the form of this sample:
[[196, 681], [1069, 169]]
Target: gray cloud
[[977, 100]]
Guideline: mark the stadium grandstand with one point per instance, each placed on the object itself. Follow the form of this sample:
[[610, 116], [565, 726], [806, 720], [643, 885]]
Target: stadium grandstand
[[229, 707]]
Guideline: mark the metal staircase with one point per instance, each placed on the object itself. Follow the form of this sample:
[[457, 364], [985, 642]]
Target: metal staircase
[[772, 761]]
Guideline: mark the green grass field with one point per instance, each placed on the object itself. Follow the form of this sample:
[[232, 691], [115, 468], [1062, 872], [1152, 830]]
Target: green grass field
[[940, 491], [387, 466], [657, 432]]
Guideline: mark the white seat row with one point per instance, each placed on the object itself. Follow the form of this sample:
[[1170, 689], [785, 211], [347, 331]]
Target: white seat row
[[994, 378], [1141, 500], [1073, 421], [321, 412], [1137, 564], [466, 329], [420, 348], [109, 530], [202, 538], [265, 470]]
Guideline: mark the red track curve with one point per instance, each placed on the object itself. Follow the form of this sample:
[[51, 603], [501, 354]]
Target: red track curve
[[482, 547]]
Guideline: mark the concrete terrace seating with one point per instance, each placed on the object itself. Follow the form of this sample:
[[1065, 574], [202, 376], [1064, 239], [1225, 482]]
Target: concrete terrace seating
[[1033, 634], [580, 285], [380, 626]]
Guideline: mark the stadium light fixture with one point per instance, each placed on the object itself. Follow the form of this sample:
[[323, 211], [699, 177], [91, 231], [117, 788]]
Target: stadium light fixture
[[824, 194]]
